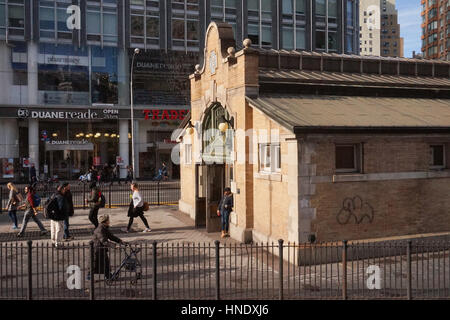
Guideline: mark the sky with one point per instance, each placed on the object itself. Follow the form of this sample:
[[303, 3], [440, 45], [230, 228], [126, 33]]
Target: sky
[[410, 20]]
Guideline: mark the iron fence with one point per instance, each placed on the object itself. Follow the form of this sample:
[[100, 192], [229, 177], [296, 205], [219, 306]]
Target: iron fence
[[210, 271], [155, 193]]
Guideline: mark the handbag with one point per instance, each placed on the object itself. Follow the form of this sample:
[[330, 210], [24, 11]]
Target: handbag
[[146, 206]]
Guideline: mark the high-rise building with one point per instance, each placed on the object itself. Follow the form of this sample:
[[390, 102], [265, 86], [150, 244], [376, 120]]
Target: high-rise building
[[436, 29], [379, 29], [65, 71]]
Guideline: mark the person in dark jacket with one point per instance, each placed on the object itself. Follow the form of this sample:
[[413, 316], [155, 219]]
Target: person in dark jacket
[[57, 221], [30, 212], [102, 237], [69, 199], [94, 203], [223, 211], [32, 174]]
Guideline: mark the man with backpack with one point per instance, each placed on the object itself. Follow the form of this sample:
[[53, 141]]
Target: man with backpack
[[96, 201], [32, 201], [57, 210]]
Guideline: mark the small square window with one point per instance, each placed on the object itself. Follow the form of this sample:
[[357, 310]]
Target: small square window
[[347, 158], [437, 156]]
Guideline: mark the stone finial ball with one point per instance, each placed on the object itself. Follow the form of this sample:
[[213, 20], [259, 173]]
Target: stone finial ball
[[247, 43], [231, 51], [197, 67]]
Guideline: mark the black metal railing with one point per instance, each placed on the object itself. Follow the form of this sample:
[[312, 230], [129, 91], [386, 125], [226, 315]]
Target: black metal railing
[[208, 271], [155, 193]]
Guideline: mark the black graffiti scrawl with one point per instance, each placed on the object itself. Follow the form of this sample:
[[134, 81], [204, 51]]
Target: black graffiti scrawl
[[355, 209]]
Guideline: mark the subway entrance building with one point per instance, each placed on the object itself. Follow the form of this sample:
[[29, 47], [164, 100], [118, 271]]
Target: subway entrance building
[[316, 146]]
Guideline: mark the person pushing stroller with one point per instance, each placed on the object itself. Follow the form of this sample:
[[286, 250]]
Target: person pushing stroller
[[102, 237]]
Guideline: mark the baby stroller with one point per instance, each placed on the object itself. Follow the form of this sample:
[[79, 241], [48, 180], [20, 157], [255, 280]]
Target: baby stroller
[[131, 264], [85, 178]]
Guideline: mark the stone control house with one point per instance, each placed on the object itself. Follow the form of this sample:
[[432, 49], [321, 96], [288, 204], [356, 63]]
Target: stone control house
[[316, 147]]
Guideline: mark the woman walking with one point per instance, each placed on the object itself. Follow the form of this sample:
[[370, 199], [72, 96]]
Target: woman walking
[[30, 212], [94, 203], [13, 202], [136, 208]]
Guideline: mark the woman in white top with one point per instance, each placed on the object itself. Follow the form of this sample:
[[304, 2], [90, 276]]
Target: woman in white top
[[136, 208]]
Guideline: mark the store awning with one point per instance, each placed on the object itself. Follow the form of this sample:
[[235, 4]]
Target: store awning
[[307, 113]]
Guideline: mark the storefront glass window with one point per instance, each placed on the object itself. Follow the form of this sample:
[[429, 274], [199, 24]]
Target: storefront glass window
[[72, 147]]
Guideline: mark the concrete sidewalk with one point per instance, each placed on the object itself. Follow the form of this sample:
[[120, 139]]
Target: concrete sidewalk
[[167, 224]]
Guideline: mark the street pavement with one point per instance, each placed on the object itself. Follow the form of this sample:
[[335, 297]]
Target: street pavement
[[168, 224]]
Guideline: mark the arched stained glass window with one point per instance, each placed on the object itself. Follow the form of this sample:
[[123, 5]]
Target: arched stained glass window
[[217, 145]]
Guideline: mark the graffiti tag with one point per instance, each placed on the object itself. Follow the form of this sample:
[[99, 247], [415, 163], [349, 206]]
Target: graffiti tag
[[356, 209]]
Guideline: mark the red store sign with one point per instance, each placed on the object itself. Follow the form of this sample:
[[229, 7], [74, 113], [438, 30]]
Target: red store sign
[[165, 114]]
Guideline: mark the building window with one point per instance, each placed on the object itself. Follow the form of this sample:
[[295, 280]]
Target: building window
[[226, 11], [437, 156], [12, 17], [293, 25], [101, 21], [145, 24], [350, 26], [185, 25], [188, 154], [260, 22], [347, 158], [269, 158], [63, 74], [53, 20]]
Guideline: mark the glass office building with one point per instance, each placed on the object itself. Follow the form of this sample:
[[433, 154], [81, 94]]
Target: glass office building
[[65, 71]]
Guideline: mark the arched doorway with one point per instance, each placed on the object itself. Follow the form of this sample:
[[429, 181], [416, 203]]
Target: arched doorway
[[216, 170]]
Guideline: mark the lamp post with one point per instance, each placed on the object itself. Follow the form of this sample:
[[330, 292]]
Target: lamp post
[[136, 51]]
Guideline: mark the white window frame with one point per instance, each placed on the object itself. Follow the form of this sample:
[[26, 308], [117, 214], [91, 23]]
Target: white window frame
[[188, 154], [432, 165], [274, 158]]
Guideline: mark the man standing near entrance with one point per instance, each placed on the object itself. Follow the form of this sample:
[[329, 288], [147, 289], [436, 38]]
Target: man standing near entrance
[[32, 174], [223, 211]]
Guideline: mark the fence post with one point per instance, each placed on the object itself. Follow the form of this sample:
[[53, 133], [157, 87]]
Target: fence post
[[30, 271], [217, 243], [408, 262], [84, 196], [280, 248], [344, 270], [154, 270], [158, 193], [91, 251], [110, 187]]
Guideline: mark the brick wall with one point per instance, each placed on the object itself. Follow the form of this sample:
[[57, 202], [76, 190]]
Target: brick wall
[[394, 196]]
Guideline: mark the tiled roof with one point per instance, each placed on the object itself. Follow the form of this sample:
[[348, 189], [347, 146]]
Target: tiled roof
[[307, 112]]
